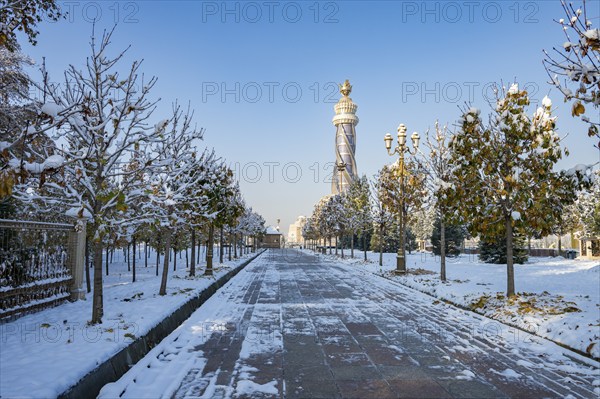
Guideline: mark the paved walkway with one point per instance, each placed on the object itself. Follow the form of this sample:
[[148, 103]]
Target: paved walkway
[[304, 328]]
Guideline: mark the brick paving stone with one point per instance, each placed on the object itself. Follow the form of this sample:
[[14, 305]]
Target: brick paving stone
[[418, 388], [312, 388], [361, 389]]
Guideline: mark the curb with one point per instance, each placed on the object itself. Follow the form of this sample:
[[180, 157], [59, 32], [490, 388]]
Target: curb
[[113, 368]]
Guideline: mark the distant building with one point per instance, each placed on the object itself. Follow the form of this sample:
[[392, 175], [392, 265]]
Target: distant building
[[295, 232], [273, 238]]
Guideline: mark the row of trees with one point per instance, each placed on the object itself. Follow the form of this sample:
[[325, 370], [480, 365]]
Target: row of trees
[[88, 149], [494, 179]]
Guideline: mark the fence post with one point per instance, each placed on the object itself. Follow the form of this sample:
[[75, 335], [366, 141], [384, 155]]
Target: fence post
[[78, 237]]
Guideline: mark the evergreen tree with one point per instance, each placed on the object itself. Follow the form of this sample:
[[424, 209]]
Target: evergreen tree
[[454, 236], [492, 249]]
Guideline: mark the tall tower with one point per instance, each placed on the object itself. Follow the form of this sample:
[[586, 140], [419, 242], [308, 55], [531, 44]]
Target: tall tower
[[345, 121]]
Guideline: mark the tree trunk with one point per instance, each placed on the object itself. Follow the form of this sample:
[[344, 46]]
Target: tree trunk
[[442, 249], [330, 251], [174, 259], [88, 282], [157, 259], [235, 246], [559, 244], [97, 302], [221, 249], [165, 273], [229, 248], [352, 245], [187, 259], [529, 246], [510, 271], [337, 239], [128, 258], [133, 263], [364, 240], [209, 251], [193, 256], [342, 245], [380, 245], [146, 254], [107, 251]]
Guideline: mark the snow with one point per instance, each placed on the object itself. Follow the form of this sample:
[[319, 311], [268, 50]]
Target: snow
[[53, 162], [77, 212], [466, 375], [247, 387], [592, 34], [514, 89], [546, 283], [45, 353], [516, 215], [546, 102], [272, 230], [509, 373], [51, 109], [161, 126]]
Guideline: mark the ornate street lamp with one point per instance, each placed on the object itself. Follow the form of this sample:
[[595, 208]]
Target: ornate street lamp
[[401, 149], [341, 167]]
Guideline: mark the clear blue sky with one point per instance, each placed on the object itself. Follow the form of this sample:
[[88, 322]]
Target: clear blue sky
[[410, 62]]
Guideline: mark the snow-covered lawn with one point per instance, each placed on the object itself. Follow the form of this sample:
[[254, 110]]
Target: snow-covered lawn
[[557, 298], [45, 353]]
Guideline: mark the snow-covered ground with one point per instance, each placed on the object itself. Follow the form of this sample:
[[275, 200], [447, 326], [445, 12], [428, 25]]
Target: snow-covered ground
[[558, 299], [45, 353]]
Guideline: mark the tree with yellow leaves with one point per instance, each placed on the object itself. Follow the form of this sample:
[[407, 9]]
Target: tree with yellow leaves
[[504, 169], [402, 191]]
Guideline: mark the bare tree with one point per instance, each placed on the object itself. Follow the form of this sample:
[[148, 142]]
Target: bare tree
[[102, 117]]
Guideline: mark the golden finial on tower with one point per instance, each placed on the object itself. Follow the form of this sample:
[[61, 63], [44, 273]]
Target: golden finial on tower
[[346, 88]]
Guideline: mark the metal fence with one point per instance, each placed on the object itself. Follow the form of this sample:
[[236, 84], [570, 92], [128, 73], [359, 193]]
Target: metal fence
[[39, 265]]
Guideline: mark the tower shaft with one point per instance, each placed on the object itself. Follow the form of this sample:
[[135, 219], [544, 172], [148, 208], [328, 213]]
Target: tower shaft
[[345, 121]]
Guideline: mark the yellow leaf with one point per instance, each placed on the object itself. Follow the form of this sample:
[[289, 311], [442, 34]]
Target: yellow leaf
[[578, 109]]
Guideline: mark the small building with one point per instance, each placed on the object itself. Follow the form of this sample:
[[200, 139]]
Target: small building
[[295, 237], [272, 238]]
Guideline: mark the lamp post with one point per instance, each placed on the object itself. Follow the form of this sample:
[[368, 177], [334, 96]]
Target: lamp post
[[341, 167], [401, 149]]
